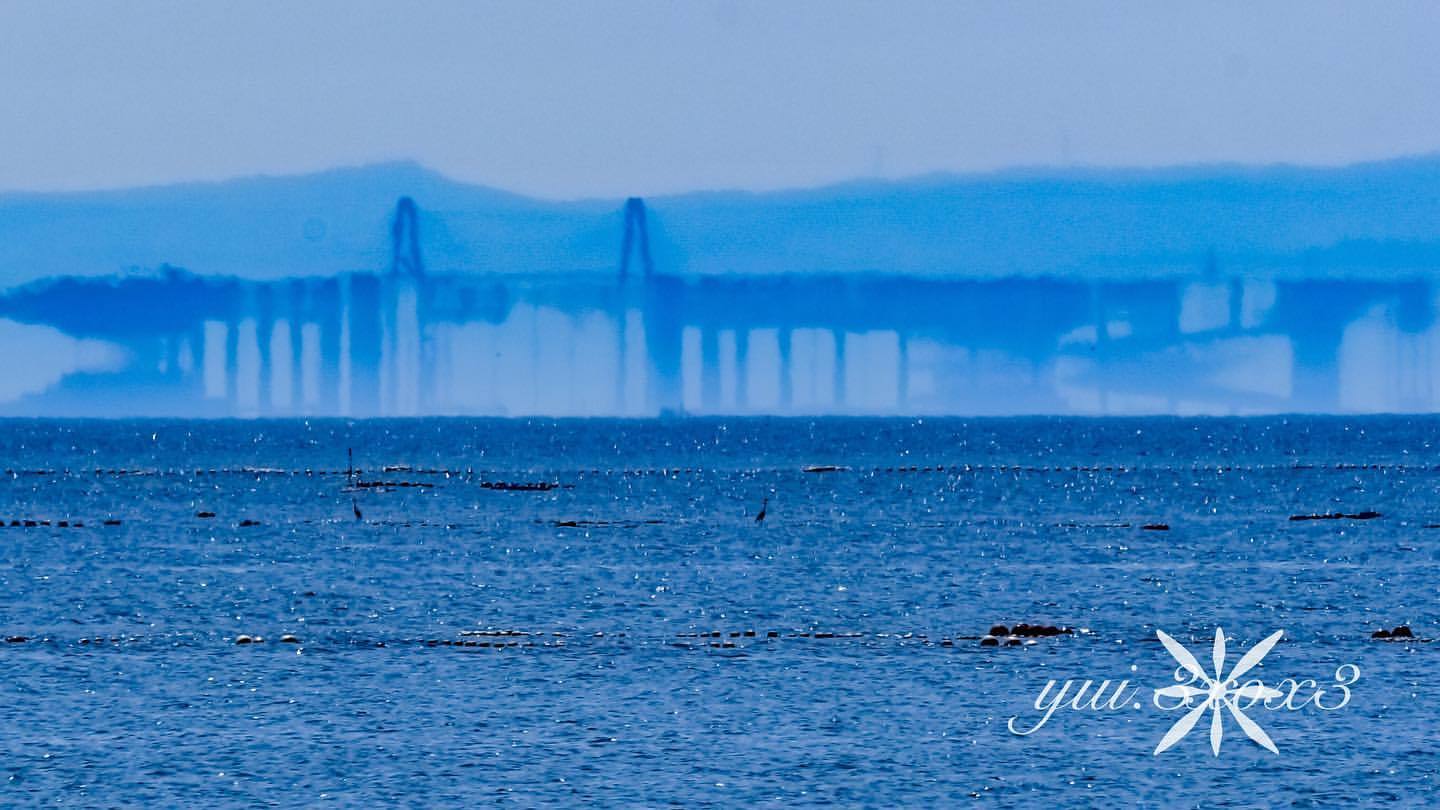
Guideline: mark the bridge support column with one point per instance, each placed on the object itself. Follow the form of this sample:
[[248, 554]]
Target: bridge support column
[[366, 339], [787, 393], [296, 318], [190, 357], [666, 396], [264, 336], [329, 310], [194, 344], [297, 366], [1101, 356], [742, 370], [232, 365], [664, 327], [902, 395], [264, 310], [839, 385], [709, 370], [622, 361], [428, 395]]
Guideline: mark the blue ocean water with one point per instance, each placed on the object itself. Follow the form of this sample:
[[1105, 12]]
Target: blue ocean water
[[129, 689]]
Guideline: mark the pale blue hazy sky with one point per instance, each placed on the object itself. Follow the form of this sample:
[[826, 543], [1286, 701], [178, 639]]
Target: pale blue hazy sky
[[583, 99]]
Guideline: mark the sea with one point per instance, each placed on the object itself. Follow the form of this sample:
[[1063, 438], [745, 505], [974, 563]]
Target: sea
[[538, 613]]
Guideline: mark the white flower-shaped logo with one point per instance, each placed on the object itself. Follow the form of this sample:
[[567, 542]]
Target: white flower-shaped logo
[[1221, 691]]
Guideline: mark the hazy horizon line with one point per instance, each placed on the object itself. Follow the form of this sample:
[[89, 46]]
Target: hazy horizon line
[[1014, 171]]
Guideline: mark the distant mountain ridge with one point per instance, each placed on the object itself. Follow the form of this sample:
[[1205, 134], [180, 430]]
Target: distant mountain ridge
[[1372, 218]]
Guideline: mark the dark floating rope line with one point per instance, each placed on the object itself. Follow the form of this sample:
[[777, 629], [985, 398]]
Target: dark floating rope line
[[1021, 635], [966, 468]]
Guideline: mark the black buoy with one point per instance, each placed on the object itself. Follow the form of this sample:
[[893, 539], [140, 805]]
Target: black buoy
[[355, 507], [764, 505]]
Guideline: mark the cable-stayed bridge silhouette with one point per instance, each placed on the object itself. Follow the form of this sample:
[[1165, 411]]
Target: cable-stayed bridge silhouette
[[407, 340]]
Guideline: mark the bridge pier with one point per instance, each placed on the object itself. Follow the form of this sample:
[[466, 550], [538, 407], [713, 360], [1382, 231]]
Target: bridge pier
[[839, 379], [742, 370], [232, 365], [328, 315], [405, 367], [428, 384], [385, 376], [194, 344], [264, 337], [287, 314], [664, 328], [1102, 348], [622, 360], [294, 322], [366, 339], [902, 395], [297, 366], [709, 370], [787, 393]]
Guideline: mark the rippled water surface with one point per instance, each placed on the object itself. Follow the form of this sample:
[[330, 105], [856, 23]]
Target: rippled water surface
[[129, 689]]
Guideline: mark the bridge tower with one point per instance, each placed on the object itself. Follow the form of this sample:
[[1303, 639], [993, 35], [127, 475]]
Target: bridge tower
[[662, 312], [636, 238], [405, 259], [405, 371]]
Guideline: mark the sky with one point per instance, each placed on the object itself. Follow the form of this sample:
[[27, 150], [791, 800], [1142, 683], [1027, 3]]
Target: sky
[[605, 99]]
